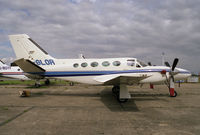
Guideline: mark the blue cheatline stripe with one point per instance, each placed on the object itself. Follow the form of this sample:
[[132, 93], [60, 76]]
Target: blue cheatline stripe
[[94, 73]]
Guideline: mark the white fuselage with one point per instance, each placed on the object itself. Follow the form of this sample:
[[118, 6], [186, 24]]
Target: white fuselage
[[87, 70], [107, 71]]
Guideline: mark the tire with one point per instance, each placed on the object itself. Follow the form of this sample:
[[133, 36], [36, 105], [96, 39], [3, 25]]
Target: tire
[[175, 94], [47, 82], [116, 89]]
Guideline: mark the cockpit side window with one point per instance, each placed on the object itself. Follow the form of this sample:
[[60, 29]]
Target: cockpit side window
[[131, 62]]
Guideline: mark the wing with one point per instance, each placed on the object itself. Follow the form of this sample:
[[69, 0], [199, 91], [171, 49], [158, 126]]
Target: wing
[[116, 79], [32, 70]]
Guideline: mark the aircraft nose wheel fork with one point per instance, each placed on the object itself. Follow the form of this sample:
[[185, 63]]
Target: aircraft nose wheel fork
[[116, 91]]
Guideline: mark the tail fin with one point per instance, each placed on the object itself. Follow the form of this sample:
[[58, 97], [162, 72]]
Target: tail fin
[[26, 48]]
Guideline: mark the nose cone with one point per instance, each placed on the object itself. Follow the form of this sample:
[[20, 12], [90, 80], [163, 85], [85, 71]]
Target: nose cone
[[188, 74], [183, 73]]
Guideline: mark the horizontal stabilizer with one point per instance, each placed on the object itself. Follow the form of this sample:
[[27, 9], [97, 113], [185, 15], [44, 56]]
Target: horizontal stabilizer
[[2, 63], [28, 66]]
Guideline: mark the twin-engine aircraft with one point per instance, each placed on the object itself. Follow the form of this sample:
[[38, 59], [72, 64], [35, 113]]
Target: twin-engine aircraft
[[11, 72], [118, 72]]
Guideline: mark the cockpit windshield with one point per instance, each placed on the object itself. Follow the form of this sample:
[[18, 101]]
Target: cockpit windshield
[[142, 63]]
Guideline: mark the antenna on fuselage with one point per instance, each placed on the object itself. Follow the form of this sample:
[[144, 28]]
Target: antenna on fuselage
[[81, 56], [163, 58]]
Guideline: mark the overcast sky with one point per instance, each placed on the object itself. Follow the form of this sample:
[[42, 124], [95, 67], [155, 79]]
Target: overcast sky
[[107, 28]]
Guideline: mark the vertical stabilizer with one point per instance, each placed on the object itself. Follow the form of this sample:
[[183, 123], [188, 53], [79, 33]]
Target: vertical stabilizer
[[26, 48]]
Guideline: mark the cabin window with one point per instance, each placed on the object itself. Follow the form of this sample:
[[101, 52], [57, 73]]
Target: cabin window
[[94, 64], [84, 64], [75, 65], [116, 63], [105, 63], [18, 69]]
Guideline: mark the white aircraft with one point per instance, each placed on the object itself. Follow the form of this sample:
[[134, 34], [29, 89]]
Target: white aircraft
[[13, 72], [118, 72]]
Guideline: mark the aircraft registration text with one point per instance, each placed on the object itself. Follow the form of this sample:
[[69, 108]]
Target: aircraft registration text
[[45, 62]]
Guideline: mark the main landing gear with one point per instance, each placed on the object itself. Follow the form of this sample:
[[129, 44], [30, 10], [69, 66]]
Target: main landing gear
[[121, 92], [37, 84], [47, 82]]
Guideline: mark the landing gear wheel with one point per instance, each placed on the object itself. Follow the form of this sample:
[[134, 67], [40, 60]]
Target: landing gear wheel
[[115, 90], [47, 82], [175, 94]]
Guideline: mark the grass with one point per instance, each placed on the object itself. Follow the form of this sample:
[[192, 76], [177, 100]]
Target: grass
[[31, 83], [16, 82], [3, 108]]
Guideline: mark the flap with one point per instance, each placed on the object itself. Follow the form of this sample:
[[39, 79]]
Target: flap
[[119, 79]]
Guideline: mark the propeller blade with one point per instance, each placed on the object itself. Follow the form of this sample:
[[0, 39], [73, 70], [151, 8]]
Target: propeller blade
[[174, 64], [167, 64]]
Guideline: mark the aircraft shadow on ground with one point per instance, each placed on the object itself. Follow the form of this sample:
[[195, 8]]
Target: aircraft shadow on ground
[[108, 98]]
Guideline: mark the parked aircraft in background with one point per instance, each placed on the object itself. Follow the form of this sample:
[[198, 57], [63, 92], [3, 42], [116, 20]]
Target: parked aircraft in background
[[13, 72], [119, 72]]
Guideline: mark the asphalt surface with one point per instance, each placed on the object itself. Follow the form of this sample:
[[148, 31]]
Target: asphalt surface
[[94, 110]]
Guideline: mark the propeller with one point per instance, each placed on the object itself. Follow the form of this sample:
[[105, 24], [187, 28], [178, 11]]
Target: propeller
[[167, 64], [171, 77], [174, 63], [149, 63]]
